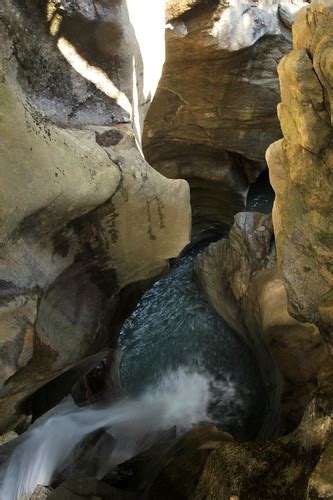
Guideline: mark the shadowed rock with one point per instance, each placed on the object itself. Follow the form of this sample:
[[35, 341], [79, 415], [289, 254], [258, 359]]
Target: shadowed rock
[[240, 279], [83, 216], [203, 465], [301, 166], [214, 112]]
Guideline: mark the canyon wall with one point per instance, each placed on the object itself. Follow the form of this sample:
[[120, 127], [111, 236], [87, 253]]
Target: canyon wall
[[214, 113], [279, 286], [241, 280], [83, 215], [301, 169]]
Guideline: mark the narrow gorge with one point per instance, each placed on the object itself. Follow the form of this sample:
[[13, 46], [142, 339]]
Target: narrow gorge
[[166, 249]]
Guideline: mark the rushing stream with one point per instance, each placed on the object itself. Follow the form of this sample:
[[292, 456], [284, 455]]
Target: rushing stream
[[175, 327], [181, 365]]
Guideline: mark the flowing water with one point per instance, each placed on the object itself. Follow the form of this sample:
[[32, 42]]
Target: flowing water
[[180, 365], [261, 196], [174, 326]]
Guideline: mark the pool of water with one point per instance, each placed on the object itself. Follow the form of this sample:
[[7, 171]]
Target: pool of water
[[180, 365], [174, 327]]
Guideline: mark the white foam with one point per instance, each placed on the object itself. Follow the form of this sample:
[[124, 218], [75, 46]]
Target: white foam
[[181, 398]]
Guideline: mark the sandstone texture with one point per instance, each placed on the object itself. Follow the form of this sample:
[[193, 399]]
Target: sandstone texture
[[176, 8], [83, 215], [239, 276], [321, 483], [206, 464], [214, 113], [301, 166]]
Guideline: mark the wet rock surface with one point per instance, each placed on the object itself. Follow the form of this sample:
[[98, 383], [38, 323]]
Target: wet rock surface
[[239, 277], [73, 77], [203, 464], [41, 493]]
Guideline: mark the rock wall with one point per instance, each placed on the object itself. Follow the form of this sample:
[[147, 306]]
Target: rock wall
[[239, 276], [176, 8], [301, 167], [83, 215], [208, 463], [288, 300], [214, 113]]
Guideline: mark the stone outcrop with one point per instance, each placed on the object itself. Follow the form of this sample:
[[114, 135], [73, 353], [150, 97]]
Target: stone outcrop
[[301, 166], [176, 8], [321, 482], [287, 300], [83, 216], [41, 493], [214, 113], [206, 464], [239, 277], [288, 11]]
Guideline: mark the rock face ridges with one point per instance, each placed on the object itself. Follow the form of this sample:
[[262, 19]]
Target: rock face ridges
[[83, 215]]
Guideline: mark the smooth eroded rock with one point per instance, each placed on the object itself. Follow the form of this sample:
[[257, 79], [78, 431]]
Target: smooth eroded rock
[[214, 112], [239, 277], [301, 166], [83, 215], [202, 464]]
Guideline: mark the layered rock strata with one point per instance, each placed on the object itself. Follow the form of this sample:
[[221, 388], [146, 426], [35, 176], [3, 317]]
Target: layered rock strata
[[239, 276], [83, 216], [301, 167], [214, 113]]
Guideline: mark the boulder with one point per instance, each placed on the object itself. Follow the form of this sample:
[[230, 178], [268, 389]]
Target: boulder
[[79, 487], [214, 112], [83, 215], [321, 482], [288, 11], [41, 493], [176, 8]]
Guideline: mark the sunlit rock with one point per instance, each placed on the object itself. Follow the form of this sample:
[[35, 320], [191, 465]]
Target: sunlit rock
[[214, 113], [240, 279], [176, 8], [301, 168], [83, 215]]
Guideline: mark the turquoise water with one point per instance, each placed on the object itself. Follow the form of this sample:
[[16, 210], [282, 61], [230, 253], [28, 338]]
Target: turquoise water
[[174, 327], [181, 365]]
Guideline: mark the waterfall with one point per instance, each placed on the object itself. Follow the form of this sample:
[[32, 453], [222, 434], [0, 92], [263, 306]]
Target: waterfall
[[180, 365], [181, 399]]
